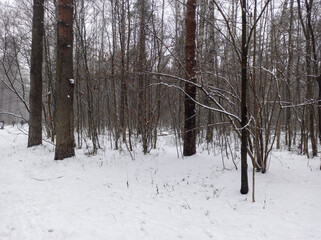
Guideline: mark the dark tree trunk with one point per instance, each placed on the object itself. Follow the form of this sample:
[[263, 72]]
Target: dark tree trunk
[[35, 100], [123, 92], [190, 89], [289, 132], [65, 82], [310, 83], [309, 39], [244, 178], [212, 64], [319, 105], [142, 121]]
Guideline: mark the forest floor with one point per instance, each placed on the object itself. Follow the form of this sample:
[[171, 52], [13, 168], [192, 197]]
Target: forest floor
[[157, 196]]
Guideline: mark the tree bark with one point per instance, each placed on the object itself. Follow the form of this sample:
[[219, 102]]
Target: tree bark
[[244, 133], [50, 89], [190, 89], [123, 91], [309, 95], [142, 121], [35, 99], [211, 65], [319, 105], [65, 82], [308, 33], [289, 132]]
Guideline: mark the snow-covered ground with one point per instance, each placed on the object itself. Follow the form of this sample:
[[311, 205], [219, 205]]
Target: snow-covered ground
[[158, 196]]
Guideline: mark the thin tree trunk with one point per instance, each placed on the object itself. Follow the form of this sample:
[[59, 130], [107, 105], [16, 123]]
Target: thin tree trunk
[[123, 91], [142, 121], [127, 75], [212, 62], [256, 106], [288, 90], [319, 106], [50, 90]]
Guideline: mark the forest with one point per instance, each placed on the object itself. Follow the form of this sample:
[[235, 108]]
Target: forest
[[177, 85]]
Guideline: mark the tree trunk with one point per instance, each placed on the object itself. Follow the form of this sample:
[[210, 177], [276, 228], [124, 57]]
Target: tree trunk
[[288, 83], [65, 82], [190, 89], [319, 105], [257, 143], [308, 33], [142, 128], [244, 178], [309, 95], [211, 65], [50, 90], [123, 91], [35, 100]]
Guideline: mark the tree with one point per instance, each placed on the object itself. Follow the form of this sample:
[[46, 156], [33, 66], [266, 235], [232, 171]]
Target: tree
[[310, 52], [65, 82], [212, 65], [244, 131], [142, 121], [123, 93], [319, 106], [190, 89], [35, 99]]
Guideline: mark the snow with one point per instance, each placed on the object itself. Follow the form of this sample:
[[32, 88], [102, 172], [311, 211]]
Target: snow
[[157, 196]]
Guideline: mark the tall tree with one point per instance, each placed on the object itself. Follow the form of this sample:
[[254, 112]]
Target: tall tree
[[309, 37], [190, 89], [288, 77], [244, 131], [212, 62], [35, 99], [319, 106], [65, 82], [142, 121], [123, 93]]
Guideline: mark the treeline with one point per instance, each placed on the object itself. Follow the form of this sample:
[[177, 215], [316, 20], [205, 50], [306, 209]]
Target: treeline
[[207, 71]]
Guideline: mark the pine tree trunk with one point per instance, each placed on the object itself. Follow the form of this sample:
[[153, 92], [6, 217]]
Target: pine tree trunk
[[65, 82], [190, 89], [35, 100]]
